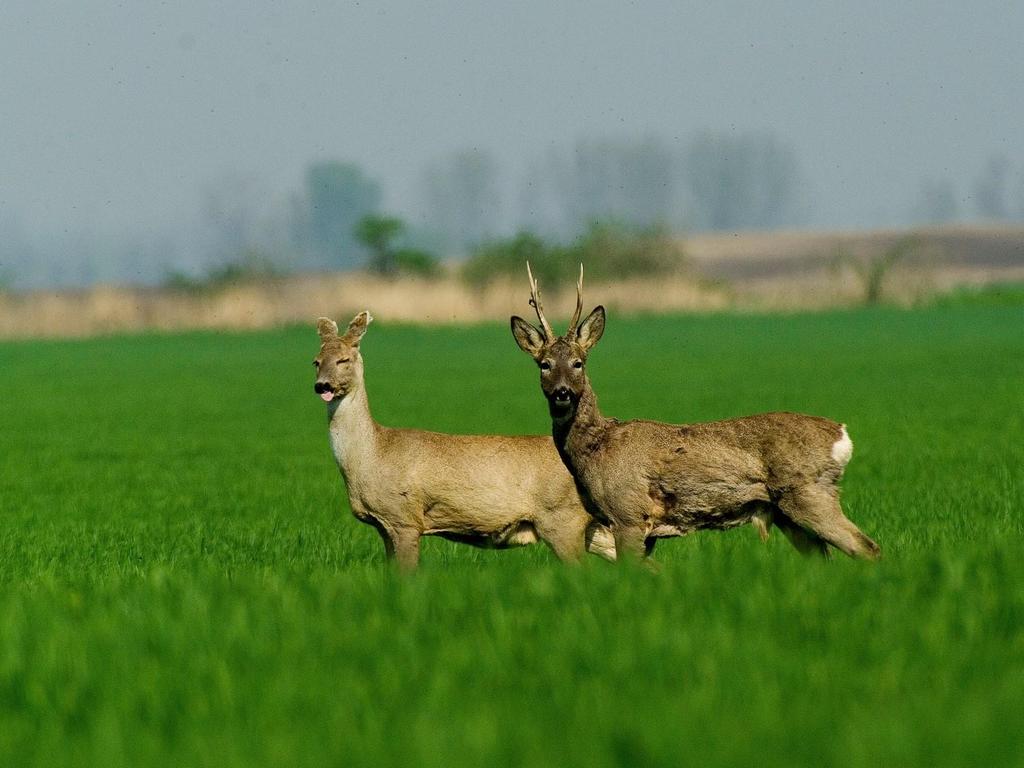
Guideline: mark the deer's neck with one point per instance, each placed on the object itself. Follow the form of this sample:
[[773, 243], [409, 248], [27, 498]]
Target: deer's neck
[[579, 437], [353, 432]]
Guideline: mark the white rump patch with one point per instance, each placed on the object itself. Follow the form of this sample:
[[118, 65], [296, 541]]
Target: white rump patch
[[842, 449]]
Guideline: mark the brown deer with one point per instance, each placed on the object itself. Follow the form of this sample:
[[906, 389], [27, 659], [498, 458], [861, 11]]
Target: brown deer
[[648, 480], [485, 490]]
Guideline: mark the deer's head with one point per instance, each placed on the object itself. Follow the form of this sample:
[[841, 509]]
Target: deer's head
[[562, 359], [338, 365]]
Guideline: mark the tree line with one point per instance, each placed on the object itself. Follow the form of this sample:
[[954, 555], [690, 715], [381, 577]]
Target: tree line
[[717, 182], [466, 200]]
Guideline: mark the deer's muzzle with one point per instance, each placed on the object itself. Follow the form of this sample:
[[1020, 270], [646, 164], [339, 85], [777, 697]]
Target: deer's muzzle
[[325, 390], [562, 397]]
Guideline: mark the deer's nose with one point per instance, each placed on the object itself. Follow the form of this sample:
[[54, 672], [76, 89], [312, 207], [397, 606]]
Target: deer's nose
[[562, 393], [321, 387]]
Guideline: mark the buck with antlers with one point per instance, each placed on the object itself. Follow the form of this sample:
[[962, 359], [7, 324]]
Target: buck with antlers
[[485, 490], [648, 480]]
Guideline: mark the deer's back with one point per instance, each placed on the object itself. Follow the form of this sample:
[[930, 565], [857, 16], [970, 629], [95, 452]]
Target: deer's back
[[779, 446]]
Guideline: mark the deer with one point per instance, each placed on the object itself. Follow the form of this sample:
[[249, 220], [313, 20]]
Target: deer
[[486, 490], [648, 480]]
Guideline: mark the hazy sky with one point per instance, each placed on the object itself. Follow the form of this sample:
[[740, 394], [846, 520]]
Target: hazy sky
[[114, 115]]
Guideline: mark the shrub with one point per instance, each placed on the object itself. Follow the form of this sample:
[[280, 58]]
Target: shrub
[[378, 234], [1007, 294], [508, 257], [607, 250], [250, 267], [415, 261], [612, 251]]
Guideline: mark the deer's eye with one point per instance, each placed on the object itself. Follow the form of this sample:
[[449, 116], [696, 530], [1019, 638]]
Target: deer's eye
[[545, 365], [316, 363], [577, 363], [343, 360]]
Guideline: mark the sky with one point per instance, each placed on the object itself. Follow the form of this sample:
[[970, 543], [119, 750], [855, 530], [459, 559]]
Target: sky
[[116, 114]]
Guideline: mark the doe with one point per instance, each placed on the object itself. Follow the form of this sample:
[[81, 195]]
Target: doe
[[485, 490]]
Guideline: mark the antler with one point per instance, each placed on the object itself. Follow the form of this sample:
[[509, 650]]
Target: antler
[[535, 303], [579, 305]]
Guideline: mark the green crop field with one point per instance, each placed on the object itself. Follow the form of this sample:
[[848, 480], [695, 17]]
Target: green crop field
[[181, 582]]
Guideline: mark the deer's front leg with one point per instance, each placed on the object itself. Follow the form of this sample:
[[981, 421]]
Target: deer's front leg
[[389, 543], [407, 548]]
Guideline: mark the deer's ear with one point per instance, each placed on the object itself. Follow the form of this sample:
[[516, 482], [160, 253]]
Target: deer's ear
[[529, 339], [327, 328], [357, 328], [591, 330]]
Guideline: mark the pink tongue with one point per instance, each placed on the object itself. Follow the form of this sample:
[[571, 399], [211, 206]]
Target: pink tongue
[[327, 396]]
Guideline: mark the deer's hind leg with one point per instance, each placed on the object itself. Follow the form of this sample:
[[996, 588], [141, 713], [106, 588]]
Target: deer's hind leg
[[805, 542], [815, 508]]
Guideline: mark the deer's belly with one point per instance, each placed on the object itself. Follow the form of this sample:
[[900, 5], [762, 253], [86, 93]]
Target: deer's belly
[[518, 534], [711, 505], [726, 511], [483, 515]]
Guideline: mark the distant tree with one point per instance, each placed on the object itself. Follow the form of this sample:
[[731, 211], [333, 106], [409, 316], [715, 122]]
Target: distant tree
[[873, 269], [416, 261], [647, 188], [229, 215], [460, 197], [629, 181], [16, 253], [538, 207], [1020, 196], [990, 188], [379, 235], [611, 251], [337, 196], [741, 182], [505, 257], [936, 203]]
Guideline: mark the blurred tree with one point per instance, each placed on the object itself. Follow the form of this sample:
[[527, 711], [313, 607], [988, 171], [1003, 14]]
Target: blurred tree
[[741, 182], [936, 203], [630, 181], [16, 253], [337, 196], [230, 210], [507, 257], [990, 188], [1020, 196], [611, 251], [872, 269], [417, 261], [378, 234], [460, 198]]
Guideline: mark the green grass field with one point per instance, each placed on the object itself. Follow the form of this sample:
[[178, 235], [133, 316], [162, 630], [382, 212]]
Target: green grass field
[[181, 582]]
